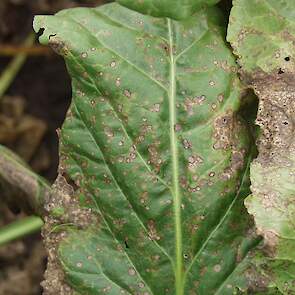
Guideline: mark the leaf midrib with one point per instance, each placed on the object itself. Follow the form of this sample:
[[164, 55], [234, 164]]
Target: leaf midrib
[[175, 166], [179, 286]]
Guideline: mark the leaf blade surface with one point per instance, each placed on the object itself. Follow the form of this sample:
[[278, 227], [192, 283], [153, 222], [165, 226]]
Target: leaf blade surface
[[156, 150], [175, 9]]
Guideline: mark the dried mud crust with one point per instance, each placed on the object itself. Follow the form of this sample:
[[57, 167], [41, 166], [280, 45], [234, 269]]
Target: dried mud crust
[[276, 115], [272, 176], [63, 209], [276, 145], [54, 282]]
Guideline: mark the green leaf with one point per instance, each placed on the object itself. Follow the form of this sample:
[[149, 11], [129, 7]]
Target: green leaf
[[154, 158], [175, 9], [262, 35]]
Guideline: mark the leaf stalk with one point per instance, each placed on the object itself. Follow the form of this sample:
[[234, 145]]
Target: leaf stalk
[[19, 229]]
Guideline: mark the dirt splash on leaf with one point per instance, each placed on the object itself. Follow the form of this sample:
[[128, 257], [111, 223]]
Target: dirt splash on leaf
[[63, 210], [275, 116]]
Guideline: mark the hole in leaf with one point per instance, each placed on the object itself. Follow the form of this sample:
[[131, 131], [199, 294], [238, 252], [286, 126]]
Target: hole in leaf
[[287, 58]]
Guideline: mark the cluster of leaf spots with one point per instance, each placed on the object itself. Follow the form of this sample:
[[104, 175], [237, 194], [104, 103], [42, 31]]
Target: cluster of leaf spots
[[156, 151]]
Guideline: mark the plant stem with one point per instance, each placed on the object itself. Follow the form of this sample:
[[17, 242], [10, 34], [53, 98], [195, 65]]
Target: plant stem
[[35, 50], [15, 173], [19, 229], [14, 66]]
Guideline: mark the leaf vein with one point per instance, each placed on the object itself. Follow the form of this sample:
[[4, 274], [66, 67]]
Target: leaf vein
[[222, 218], [120, 56], [116, 183]]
